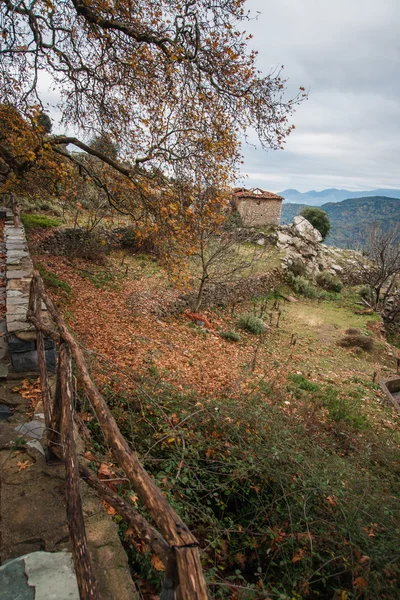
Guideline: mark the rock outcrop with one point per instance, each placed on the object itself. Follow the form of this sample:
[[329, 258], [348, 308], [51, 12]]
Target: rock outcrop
[[304, 253]]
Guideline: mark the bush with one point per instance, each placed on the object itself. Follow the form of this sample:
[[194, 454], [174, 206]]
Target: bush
[[297, 267], [230, 336], [329, 282], [302, 286], [257, 485], [251, 324], [32, 221], [357, 340], [365, 292], [318, 219]]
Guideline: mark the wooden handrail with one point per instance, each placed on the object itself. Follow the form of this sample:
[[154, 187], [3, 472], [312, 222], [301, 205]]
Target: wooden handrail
[[182, 557]]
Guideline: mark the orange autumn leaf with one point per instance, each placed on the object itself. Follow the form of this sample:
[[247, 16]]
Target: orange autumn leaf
[[24, 465], [89, 456], [360, 584], [332, 500], [104, 471], [110, 510], [297, 556], [157, 563]]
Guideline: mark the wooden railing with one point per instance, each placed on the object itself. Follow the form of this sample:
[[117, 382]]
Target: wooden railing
[[169, 538]]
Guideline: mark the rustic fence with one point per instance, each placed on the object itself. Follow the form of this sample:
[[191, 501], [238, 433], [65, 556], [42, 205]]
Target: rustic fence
[[169, 538]]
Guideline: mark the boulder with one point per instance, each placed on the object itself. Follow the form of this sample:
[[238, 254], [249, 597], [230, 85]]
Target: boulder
[[303, 228]]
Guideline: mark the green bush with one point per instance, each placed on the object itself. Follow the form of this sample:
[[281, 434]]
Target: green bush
[[33, 221], [251, 324], [302, 286], [318, 219], [329, 282], [283, 508], [231, 336], [365, 292]]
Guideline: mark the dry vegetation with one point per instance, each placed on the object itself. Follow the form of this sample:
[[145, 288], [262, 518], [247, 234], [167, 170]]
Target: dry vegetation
[[266, 446]]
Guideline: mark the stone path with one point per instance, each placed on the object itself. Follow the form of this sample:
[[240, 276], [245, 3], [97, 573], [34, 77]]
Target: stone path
[[34, 541]]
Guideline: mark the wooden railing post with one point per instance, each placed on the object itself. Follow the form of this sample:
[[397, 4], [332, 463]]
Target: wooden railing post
[[184, 551], [80, 551], [16, 211]]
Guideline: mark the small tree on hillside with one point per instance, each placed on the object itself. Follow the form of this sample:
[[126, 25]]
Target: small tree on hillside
[[381, 271], [221, 255], [318, 219]]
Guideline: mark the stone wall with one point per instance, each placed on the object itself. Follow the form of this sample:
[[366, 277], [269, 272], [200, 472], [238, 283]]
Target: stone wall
[[223, 294], [260, 212], [21, 333]]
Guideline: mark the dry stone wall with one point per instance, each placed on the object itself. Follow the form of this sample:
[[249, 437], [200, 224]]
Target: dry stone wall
[[21, 333]]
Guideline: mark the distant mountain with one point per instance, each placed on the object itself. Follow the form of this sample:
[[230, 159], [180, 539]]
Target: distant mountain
[[313, 198], [351, 217]]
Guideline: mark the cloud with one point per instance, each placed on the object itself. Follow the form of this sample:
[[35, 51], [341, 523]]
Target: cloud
[[348, 55]]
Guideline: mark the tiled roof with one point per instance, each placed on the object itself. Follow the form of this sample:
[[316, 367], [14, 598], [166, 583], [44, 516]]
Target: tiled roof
[[256, 194]]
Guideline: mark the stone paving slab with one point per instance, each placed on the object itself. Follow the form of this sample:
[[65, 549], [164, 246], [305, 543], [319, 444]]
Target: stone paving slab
[[39, 576]]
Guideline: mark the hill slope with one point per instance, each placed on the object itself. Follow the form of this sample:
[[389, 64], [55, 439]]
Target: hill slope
[[351, 217], [313, 198]]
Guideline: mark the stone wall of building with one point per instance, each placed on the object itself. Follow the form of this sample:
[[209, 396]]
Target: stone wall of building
[[260, 212]]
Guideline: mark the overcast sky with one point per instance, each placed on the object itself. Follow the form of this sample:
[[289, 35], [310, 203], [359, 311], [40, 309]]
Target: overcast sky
[[347, 54]]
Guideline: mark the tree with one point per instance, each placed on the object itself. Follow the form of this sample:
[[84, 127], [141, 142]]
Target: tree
[[171, 83], [318, 219], [380, 269], [220, 255]]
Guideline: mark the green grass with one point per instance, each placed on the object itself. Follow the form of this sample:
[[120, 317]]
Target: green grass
[[52, 279], [34, 221], [102, 277]]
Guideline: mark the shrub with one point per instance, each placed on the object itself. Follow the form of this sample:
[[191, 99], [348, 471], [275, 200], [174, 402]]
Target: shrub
[[329, 282], [299, 382], [357, 340], [365, 292], [258, 482], [32, 221], [302, 286], [251, 324], [230, 336], [318, 219], [297, 267]]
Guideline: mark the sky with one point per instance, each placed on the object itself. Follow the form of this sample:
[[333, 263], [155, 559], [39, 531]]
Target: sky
[[346, 53]]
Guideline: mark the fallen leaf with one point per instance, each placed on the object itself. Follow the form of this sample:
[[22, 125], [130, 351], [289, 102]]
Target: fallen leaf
[[299, 555], [104, 471], [133, 499], [89, 456], [24, 465], [110, 510], [360, 584], [157, 563], [332, 500]]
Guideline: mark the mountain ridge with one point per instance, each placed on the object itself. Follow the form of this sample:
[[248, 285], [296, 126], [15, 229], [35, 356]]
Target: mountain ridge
[[314, 198], [351, 217]]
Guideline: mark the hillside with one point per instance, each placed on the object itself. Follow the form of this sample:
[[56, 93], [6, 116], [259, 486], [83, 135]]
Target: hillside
[[351, 217], [313, 198], [267, 442]]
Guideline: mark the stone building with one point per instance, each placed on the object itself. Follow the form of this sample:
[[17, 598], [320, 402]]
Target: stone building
[[258, 208]]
